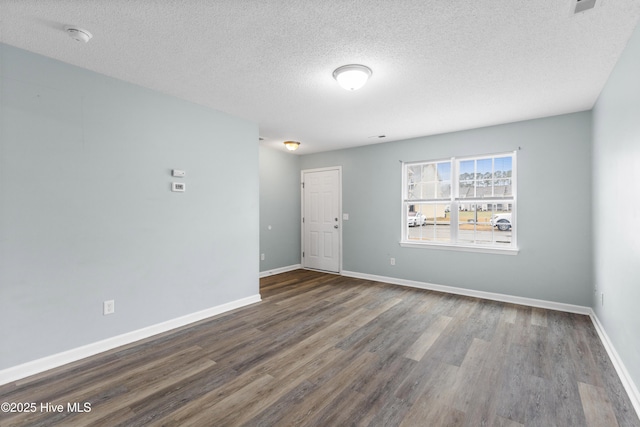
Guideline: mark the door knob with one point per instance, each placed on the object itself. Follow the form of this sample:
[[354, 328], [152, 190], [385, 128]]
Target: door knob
[[335, 226]]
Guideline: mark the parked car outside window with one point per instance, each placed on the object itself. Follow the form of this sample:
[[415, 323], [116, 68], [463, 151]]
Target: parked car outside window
[[502, 221], [416, 219]]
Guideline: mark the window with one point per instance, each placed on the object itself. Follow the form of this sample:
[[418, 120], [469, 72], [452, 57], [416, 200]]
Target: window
[[466, 203]]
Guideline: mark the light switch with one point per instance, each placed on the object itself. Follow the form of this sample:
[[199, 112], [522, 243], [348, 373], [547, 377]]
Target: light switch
[[178, 173], [345, 217]]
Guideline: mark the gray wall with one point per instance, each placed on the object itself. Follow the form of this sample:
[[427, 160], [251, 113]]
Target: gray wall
[[616, 166], [554, 210], [279, 208], [86, 213]]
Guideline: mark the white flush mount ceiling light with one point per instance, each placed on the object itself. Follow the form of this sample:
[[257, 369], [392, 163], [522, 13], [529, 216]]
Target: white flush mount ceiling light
[[352, 76], [78, 34], [292, 145]]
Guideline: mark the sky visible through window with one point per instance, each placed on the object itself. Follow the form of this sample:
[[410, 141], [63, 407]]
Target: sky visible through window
[[483, 166]]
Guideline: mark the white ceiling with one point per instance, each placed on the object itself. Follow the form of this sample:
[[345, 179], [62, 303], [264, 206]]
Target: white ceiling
[[438, 65]]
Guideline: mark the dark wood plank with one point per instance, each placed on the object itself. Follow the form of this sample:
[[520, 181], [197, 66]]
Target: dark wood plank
[[326, 350]]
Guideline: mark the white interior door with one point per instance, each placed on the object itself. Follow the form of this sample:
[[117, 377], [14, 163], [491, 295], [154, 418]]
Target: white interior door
[[321, 224]]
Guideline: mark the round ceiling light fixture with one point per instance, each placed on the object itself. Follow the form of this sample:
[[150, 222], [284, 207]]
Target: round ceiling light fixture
[[292, 145], [352, 76], [78, 34]]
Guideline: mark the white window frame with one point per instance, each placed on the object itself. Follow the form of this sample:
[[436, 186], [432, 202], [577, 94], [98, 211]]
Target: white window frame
[[454, 201]]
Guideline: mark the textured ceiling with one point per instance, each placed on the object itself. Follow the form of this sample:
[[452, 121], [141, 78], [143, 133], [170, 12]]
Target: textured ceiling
[[438, 66]]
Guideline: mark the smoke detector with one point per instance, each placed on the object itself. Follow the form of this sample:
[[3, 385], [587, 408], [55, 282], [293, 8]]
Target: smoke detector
[[78, 34]]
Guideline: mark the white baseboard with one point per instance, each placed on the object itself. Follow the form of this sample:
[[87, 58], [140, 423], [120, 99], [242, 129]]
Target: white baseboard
[[280, 270], [40, 365], [570, 308], [623, 374]]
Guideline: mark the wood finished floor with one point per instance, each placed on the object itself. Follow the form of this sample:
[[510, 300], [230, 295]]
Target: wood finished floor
[[326, 350]]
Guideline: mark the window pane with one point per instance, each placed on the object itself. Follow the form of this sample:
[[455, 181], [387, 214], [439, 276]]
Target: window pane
[[429, 181], [416, 220], [501, 221], [467, 169], [503, 188], [467, 189], [441, 223], [503, 165], [503, 169], [443, 176], [484, 169], [474, 224], [467, 186], [429, 178], [429, 223], [484, 189], [444, 171], [444, 190], [485, 178], [413, 178], [466, 226]]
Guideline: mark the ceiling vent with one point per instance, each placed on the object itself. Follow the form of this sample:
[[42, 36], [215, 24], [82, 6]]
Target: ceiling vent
[[583, 5]]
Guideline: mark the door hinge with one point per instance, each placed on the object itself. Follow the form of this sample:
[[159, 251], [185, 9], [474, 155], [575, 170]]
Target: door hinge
[[302, 254], [303, 185], [303, 219]]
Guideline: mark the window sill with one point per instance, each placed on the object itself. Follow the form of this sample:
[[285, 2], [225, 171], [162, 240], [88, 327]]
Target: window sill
[[460, 248]]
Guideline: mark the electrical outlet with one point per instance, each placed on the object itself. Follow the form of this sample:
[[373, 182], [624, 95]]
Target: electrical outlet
[[261, 257], [108, 307], [392, 261]]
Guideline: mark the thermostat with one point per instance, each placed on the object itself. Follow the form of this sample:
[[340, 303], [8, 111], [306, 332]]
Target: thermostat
[[178, 186]]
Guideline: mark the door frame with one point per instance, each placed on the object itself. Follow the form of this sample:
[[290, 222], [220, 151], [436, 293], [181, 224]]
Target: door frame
[[325, 169]]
